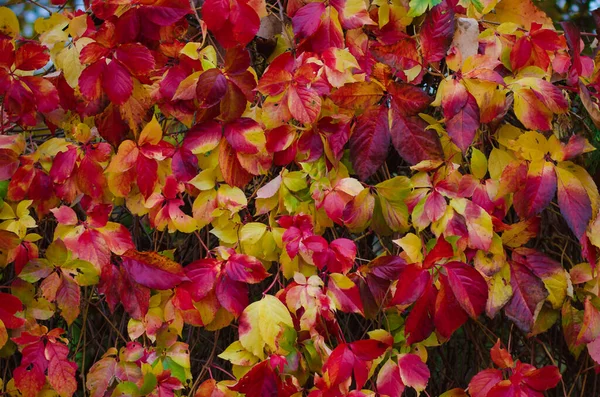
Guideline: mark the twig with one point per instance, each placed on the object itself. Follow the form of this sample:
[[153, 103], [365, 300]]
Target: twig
[[49, 11]]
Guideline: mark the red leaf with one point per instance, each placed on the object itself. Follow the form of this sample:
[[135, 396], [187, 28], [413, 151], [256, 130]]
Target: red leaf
[[90, 178], [147, 175], [233, 172], [29, 382], [412, 140], [413, 371], [538, 190], [501, 357], [90, 246], [168, 12], [401, 56], [436, 32], [419, 323], [542, 379], [136, 58], [304, 103], [117, 237], [442, 249], [9, 305], [469, 287], [574, 202], [203, 137], [61, 371], [370, 141], [63, 165], [232, 295], [389, 382], [410, 100], [462, 115], [233, 22], [342, 254], [239, 134], [484, 381], [529, 294], [211, 88], [345, 293], [90, 80], [45, 92], [261, 381], [387, 267], [184, 165], [357, 96], [7, 53], [9, 163], [449, 315], [134, 297], [31, 56], [117, 82], [92, 53], [411, 284], [353, 358], [153, 270], [307, 19], [244, 268]]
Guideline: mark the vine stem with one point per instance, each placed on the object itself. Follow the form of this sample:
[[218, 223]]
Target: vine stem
[[49, 11], [275, 278]]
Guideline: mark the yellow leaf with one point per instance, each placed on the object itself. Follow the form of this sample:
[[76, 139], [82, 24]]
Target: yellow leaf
[[231, 198], [23, 208], [208, 57], [490, 262], [252, 232], [523, 12], [205, 180], [152, 133], [262, 323], [134, 110], [533, 145], [412, 246], [7, 212], [498, 161], [9, 24], [225, 229], [78, 26], [67, 59], [3, 337], [479, 164], [52, 30], [519, 233], [203, 207], [500, 290], [508, 134], [558, 284], [295, 180], [238, 355], [221, 320]]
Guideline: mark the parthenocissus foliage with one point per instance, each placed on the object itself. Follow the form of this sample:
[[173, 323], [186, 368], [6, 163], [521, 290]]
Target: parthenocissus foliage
[[291, 198]]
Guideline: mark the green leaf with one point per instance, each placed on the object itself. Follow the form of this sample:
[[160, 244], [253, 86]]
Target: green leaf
[[126, 389], [418, 7]]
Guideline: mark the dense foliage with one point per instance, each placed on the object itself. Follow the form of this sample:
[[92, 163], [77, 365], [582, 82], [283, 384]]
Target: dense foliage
[[325, 198]]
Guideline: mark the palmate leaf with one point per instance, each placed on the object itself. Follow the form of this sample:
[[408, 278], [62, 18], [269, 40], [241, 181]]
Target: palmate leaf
[[163, 159]]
